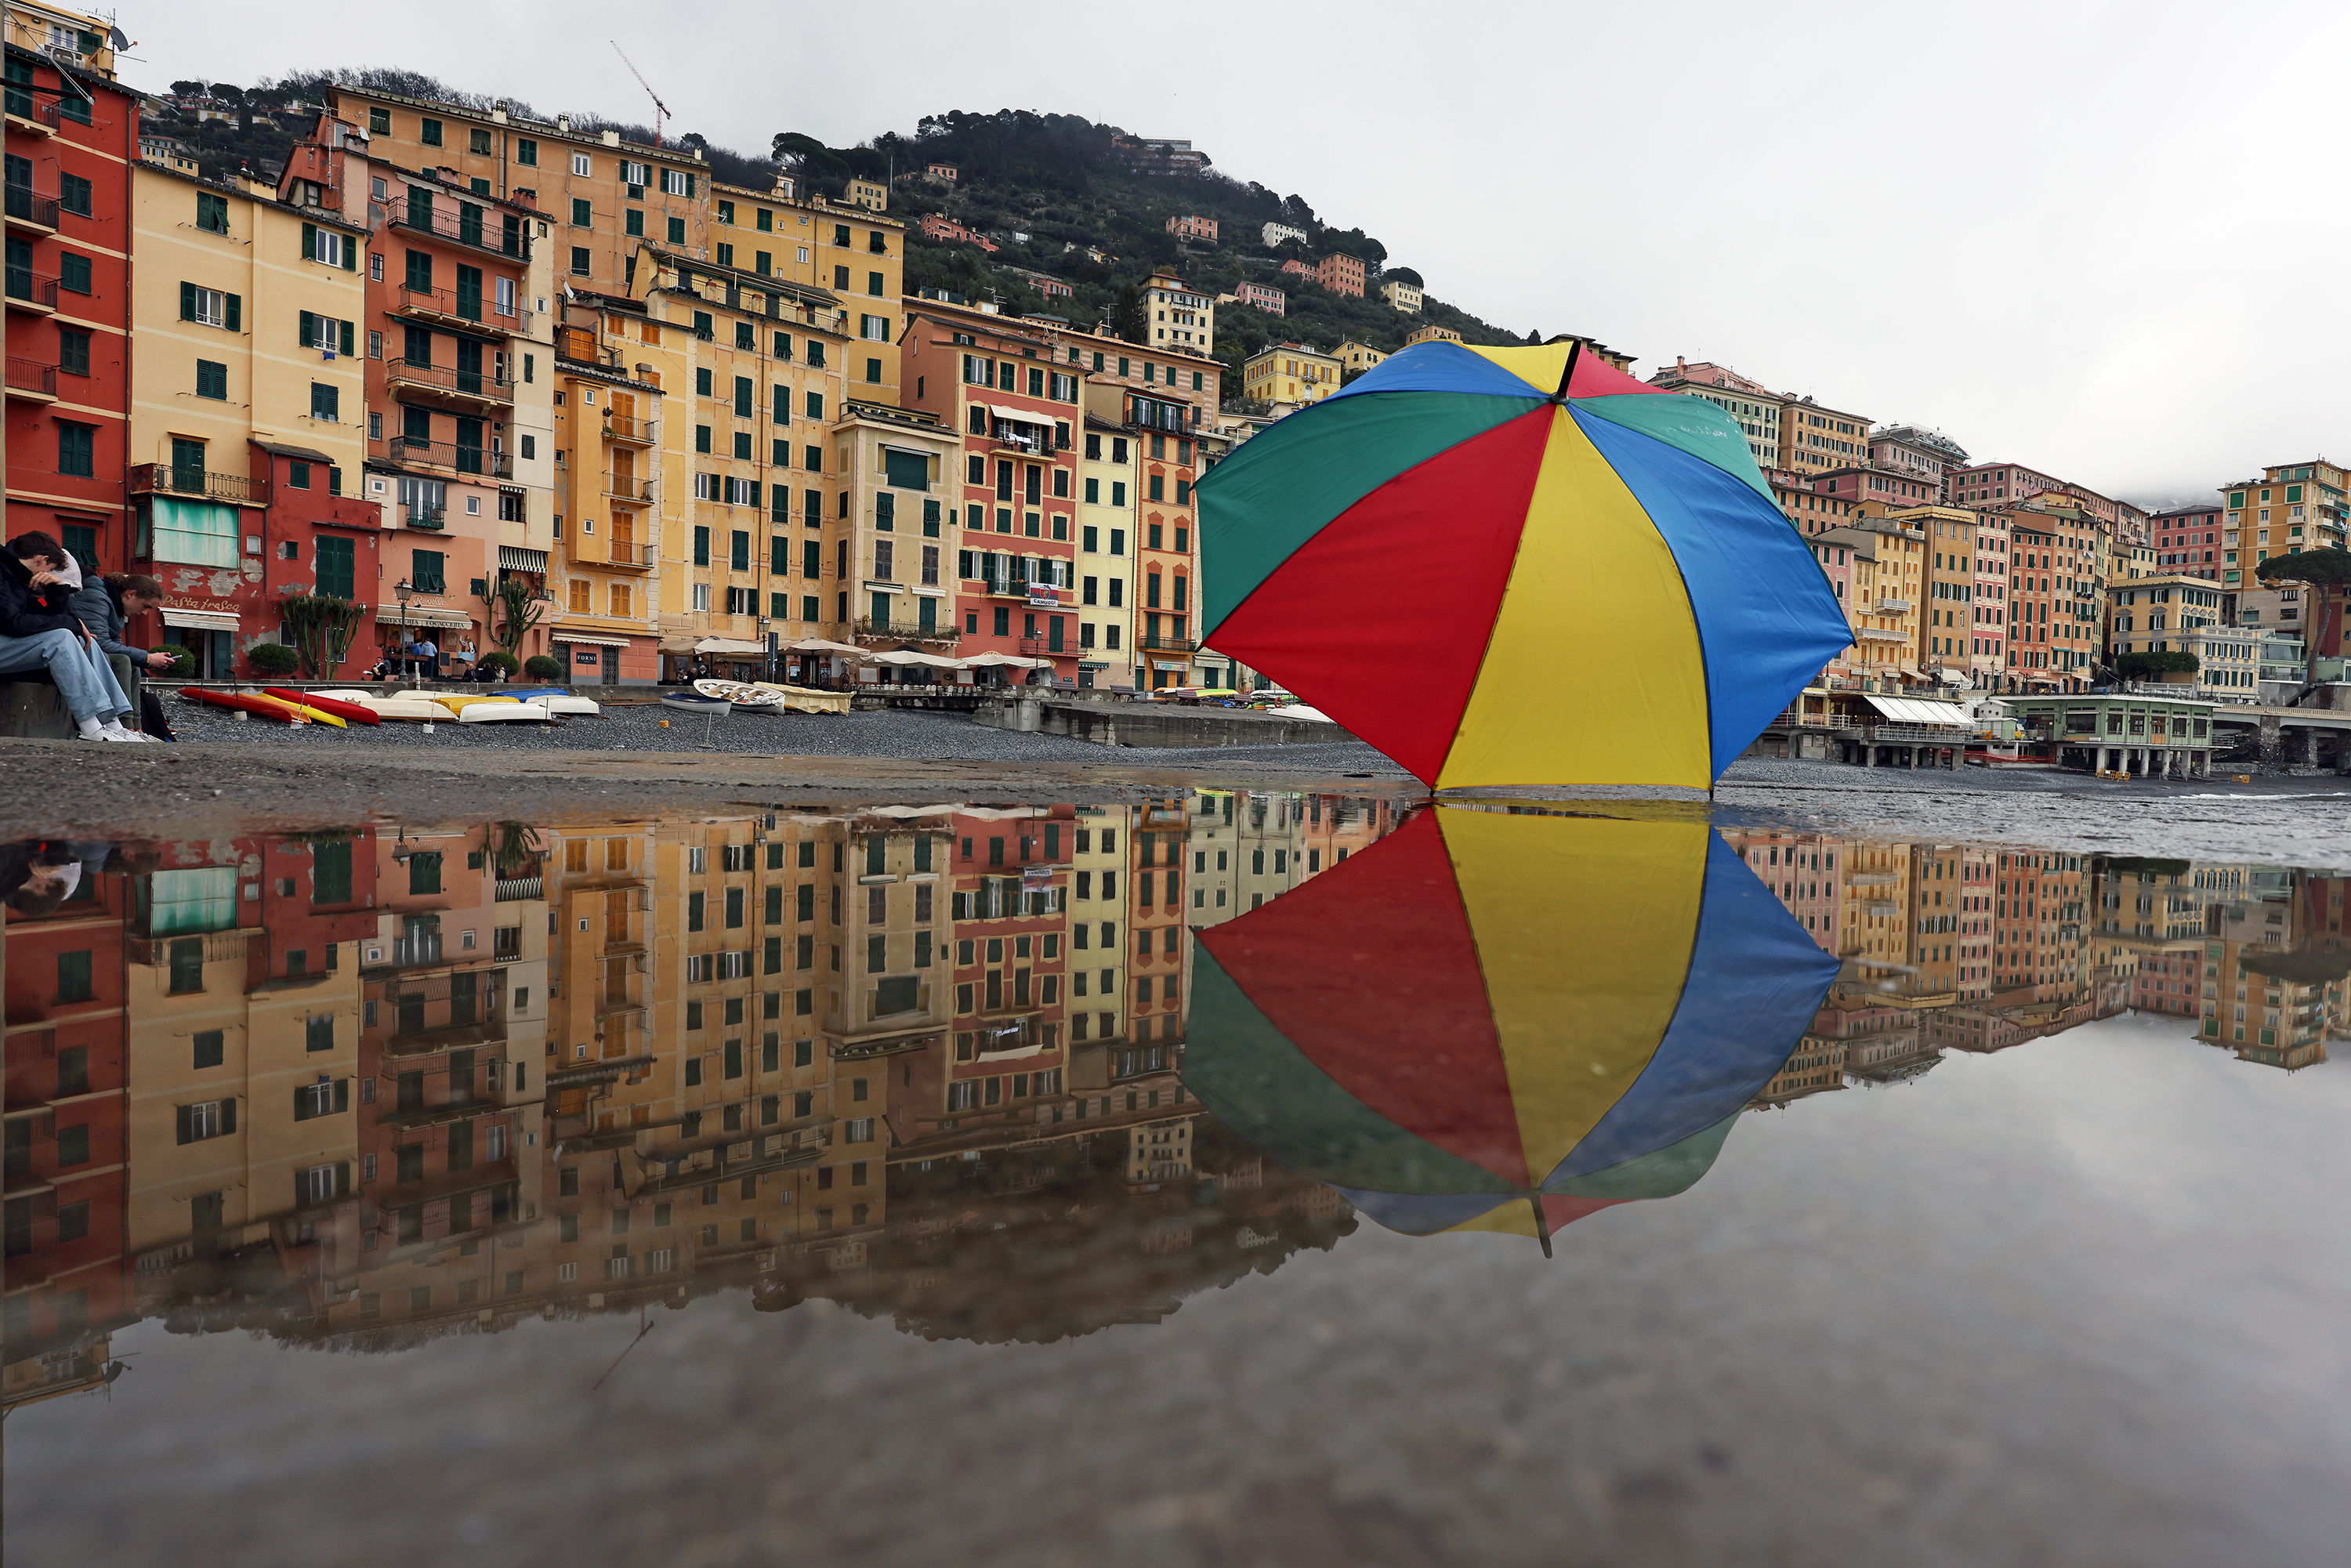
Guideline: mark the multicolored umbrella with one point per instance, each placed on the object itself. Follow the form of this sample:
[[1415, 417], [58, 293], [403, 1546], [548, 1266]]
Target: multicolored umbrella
[[1517, 566], [1493, 1021]]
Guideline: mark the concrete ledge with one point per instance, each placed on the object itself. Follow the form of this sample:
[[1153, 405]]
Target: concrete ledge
[[1155, 724], [33, 710]]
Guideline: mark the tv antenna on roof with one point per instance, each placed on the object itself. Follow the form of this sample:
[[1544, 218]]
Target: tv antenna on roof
[[660, 109]]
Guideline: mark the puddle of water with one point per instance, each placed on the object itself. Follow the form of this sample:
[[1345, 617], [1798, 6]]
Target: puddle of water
[[1238, 1176]]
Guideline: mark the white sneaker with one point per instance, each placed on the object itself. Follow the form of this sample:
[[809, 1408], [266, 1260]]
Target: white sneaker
[[115, 730], [105, 734]]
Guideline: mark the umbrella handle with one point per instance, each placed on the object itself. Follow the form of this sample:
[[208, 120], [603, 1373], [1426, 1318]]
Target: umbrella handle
[[1542, 1221]]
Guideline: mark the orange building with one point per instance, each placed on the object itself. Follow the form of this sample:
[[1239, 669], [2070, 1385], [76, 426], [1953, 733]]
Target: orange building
[[1341, 274]]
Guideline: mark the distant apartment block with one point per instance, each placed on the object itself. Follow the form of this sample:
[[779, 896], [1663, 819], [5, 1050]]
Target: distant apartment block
[[1355, 357], [1341, 274], [871, 195], [1401, 296], [1050, 287], [1261, 297], [1275, 234], [947, 231], [1180, 320], [1192, 227], [1302, 269], [1431, 334], [946, 174], [1289, 372]]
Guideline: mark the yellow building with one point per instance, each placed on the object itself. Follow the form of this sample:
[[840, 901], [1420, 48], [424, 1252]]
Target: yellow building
[[1431, 334], [1290, 373], [1109, 491], [290, 371], [1947, 581], [897, 468], [871, 194], [1401, 296], [1813, 440], [1355, 357], [1180, 318], [614, 477], [751, 429], [852, 254], [2291, 508]]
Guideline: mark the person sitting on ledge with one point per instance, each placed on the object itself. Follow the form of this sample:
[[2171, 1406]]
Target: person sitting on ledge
[[38, 631], [104, 606]]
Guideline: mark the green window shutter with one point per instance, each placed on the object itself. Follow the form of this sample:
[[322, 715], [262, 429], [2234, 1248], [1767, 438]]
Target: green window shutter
[[310, 242], [309, 334], [755, 493], [742, 397], [235, 313], [701, 546], [779, 564], [782, 407], [228, 1114], [348, 335], [351, 252], [689, 184], [187, 301]]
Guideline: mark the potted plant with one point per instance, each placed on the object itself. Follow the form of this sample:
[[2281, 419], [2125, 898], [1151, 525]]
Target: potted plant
[[540, 667], [273, 659]]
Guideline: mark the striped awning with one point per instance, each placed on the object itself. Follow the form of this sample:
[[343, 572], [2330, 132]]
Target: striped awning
[[419, 615], [591, 642], [513, 558], [201, 620]]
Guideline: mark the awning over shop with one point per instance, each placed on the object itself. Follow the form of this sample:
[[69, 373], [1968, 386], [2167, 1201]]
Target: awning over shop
[[728, 645], [418, 615], [1019, 416], [819, 645], [910, 656], [1953, 678], [513, 558], [1913, 710], [591, 642], [1014, 660], [201, 620]]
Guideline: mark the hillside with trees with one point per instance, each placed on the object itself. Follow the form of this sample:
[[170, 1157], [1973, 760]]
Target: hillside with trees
[[1056, 195]]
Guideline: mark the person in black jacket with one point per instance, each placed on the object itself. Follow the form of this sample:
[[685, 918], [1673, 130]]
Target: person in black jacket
[[104, 606], [38, 632]]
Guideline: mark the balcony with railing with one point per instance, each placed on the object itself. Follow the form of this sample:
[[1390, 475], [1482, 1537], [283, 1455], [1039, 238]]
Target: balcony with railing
[[446, 384], [634, 432], [165, 479], [31, 209], [432, 519], [465, 307], [628, 487], [32, 380], [442, 456], [478, 229], [33, 116], [1166, 642], [30, 290], [626, 554], [872, 630]]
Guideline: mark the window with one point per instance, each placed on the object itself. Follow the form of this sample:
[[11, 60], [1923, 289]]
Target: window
[[326, 403], [77, 449], [580, 165], [212, 212], [210, 308], [73, 273], [526, 151], [584, 213], [428, 133], [206, 1119], [212, 379], [579, 259]]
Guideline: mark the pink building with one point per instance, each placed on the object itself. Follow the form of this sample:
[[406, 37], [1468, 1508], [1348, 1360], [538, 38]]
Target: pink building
[[1989, 632], [1341, 274], [1889, 489], [1273, 301], [2187, 537], [1191, 227], [1300, 269]]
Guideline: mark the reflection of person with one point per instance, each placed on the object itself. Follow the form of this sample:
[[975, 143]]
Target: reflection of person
[[37, 877], [39, 631]]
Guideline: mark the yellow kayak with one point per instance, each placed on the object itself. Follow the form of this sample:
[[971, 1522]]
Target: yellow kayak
[[299, 710], [457, 702]]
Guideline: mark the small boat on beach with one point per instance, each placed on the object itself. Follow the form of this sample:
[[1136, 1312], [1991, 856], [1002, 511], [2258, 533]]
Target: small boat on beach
[[743, 696], [558, 700], [696, 703]]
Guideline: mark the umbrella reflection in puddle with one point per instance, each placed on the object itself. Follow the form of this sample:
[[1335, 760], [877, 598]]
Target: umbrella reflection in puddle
[[1502, 1021]]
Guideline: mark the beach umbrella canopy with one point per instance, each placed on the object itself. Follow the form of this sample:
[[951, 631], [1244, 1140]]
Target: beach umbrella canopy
[[1517, 566], [1504, 1022]]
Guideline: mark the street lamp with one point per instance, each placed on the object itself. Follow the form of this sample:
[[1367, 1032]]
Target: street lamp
[[405, 591]]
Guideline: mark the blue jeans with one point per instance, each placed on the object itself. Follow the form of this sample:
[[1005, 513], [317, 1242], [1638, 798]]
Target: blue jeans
[[76, 669]]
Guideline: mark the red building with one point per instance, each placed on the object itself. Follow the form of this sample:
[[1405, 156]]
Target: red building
[[72, 136], [999, 383], [2188, 538], [1341, 274], [1009, 888]]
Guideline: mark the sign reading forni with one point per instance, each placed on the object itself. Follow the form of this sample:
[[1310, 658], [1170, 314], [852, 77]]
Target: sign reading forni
[[587, 655]]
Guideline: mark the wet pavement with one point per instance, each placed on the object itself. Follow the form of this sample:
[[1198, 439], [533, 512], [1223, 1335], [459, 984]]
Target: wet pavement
[[1220, 1177]]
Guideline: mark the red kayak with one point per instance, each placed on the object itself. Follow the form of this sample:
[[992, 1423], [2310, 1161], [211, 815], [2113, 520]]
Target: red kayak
[[355, 712], [260, 708]]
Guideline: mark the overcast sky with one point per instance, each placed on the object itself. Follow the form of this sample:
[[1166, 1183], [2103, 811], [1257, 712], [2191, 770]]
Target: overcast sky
[[2097, 238]]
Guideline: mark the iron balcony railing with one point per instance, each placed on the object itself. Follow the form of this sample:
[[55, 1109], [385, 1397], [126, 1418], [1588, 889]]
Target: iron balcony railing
[[628, 487], [412, 453], [26, 287], [43, 116], [454, 305], [167, 479], [619, 552], [434, 518], [32, 376], [485, 386], [482, 230], [26, 206], [1166, 642], [622, 427]]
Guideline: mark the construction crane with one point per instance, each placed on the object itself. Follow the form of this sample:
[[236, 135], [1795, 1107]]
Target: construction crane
[[660, 109]]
